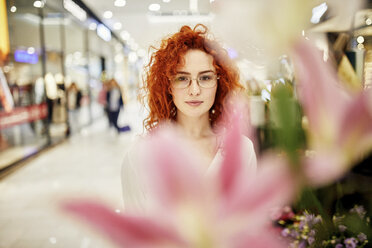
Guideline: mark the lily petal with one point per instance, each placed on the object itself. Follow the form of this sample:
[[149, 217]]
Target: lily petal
[[324, 167], [355, 136], [231, 165], [273, 186], [320, 93], [237, 167], [174, 175], [125, 231], [256, 240]]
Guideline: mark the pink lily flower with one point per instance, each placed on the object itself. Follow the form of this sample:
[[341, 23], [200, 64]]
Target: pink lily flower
[[230, 209], [340, 130]]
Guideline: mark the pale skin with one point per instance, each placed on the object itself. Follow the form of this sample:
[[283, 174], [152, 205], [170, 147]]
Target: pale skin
[[194, 102]]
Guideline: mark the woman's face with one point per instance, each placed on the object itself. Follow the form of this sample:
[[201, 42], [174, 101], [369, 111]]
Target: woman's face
[[194, 101]]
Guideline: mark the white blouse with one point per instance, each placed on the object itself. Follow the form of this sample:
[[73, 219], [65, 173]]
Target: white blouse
[[135, 196]]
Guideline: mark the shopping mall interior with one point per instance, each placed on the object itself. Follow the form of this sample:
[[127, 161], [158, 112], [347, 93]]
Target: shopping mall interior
[[60, 142]]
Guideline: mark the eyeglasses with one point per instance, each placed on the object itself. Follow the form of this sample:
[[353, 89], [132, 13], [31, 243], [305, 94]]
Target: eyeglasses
[[204, 80]]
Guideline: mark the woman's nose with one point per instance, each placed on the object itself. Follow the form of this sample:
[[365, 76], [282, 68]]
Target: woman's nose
[[194, 88]]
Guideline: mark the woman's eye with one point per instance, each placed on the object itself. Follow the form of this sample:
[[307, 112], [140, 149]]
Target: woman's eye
[[205, 78], [181, 78]]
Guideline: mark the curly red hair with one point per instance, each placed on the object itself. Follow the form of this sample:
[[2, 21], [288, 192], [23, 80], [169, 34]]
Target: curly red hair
[[164, 63]]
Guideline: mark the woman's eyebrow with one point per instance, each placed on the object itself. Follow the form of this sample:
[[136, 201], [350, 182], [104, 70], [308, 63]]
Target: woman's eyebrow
[[183, 72], [205, 71], [188, 73]]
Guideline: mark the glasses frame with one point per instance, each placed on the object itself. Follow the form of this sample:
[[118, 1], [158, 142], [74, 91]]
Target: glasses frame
[[197, 81]]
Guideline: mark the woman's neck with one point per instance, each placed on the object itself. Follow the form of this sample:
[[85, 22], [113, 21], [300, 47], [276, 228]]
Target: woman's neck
[[195, 127]]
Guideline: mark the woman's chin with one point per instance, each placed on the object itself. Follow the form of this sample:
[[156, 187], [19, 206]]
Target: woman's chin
[[195, 114]]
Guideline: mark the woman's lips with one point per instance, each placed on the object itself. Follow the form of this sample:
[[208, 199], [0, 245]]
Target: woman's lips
[[194, 103]]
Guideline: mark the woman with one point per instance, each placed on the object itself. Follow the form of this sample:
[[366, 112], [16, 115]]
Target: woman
[[114, 102], [188, 79], [73, 103]]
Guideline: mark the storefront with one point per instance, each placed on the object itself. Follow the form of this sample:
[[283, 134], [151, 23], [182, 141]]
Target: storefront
[[58, 53]]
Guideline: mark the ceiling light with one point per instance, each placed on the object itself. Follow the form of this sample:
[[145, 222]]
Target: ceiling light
[[107, 14], [132, 57], [13, 9], [130, 42], [211, 1], [103, 32], [120, 3], [318, 12], [166, 1], [75, 10], [92, 26], [360, 39], [38, 4], [31, 50], [117, 26], [125, 35], [360, 46], [154, 7], [368, 21]]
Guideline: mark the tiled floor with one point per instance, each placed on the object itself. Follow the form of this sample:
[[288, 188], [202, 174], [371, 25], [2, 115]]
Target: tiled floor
[[87, 165]]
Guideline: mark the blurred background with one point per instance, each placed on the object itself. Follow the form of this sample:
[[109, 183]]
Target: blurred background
[[58, 57]]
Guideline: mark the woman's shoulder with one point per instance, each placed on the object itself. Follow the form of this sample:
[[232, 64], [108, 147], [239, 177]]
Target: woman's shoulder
[[133, 177], [248, 152], [133, 148]]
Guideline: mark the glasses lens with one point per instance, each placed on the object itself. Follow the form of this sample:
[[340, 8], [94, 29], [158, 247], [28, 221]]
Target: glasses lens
[[181, 81], [207, 80]]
